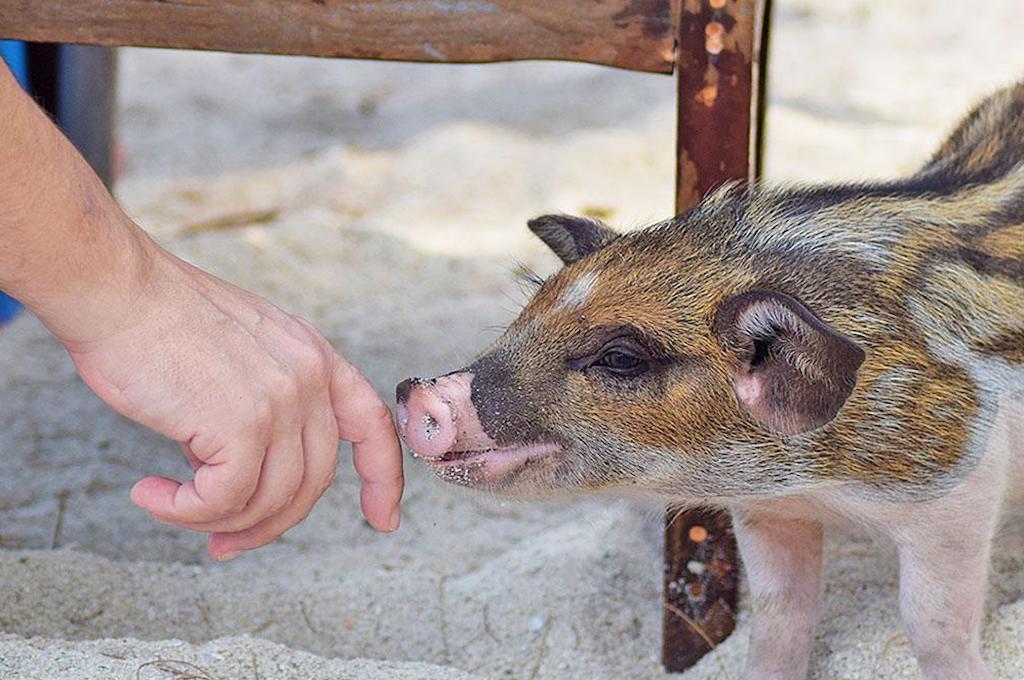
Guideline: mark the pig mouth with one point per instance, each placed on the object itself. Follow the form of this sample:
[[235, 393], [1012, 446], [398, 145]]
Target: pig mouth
[[492, 463]]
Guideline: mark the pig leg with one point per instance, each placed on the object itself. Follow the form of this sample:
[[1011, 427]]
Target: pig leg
[[943, 572], [783, 566]]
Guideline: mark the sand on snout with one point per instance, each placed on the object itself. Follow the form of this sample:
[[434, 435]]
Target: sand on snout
[[387, 203]]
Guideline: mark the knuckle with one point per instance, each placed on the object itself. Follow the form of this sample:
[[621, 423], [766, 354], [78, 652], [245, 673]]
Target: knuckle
[[262, 416], [309, 353], [302, 516], [280, 503], [312, 331], [228, 507], [321, 482], [283, 386], [236, 502], [346, 372], [311, 362], [276, 506], [379, 412], [325, 484]]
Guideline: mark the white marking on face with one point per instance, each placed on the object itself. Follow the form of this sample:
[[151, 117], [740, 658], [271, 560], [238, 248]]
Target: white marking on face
[[578, 292]]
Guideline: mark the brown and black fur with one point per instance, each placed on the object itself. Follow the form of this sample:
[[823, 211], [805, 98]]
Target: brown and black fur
[[795, 355], [925, 274]]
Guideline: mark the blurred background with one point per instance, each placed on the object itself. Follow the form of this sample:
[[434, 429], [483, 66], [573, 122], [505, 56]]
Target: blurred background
[[386, 203]]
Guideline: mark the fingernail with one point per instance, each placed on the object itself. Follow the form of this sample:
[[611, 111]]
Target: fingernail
[[230, 555], [396, 519]]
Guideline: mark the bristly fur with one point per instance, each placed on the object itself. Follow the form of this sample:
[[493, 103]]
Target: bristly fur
[[528, 276]]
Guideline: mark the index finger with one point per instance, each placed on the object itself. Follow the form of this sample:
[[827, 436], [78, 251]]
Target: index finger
[[365, 420]]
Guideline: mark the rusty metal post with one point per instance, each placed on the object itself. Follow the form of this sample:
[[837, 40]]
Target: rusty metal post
[[721, 49]]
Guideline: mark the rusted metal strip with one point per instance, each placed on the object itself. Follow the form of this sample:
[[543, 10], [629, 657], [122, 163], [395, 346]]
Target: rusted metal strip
[[721, 49], [720, 54], [701, 585], [631, 34]]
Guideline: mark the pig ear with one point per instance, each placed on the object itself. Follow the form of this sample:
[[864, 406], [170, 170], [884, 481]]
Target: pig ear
[[794, 372], [572, 238]]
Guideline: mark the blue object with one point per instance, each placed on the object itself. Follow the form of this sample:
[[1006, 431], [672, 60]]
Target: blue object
[[9, 308], [15, 55]]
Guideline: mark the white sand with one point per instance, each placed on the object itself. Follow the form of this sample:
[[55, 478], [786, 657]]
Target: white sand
[[401, 193]]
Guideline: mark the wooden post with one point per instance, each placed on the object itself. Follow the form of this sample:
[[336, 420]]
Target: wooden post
[[86, 104], [720, 63]]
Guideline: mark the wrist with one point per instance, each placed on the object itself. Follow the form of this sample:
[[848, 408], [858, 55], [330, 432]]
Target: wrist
[[100, 281]]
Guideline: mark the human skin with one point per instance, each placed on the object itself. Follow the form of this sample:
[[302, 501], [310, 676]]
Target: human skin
[[256, 397]]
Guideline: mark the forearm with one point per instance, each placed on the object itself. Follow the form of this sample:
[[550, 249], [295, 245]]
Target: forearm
[[67, 251]]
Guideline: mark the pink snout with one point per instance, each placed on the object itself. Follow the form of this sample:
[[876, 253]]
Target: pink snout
[[437, 416]]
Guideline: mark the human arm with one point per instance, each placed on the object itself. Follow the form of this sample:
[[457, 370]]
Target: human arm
[[256, 397]]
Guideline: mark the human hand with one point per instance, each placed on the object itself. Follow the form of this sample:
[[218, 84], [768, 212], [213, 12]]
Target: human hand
[[258, 400]]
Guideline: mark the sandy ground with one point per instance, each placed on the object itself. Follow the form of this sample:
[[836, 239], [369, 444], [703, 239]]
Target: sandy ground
[[392, 201]]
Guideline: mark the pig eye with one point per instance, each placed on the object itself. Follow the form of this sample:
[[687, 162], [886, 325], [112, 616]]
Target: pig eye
[[616, 352], [622, 363]]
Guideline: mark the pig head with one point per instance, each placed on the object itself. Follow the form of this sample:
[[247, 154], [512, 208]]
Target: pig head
[[645, 364]]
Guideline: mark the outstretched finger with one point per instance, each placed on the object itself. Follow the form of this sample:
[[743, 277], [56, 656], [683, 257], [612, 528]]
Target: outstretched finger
[[365, 420]]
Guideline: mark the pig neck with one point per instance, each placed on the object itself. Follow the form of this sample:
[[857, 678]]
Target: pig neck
[[929, 282]]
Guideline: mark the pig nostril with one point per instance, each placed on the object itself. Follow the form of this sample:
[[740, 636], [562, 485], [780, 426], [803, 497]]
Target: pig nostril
[[430, 427], [425, 415]]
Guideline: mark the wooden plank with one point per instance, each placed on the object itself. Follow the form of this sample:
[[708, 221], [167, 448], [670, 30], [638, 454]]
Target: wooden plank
[[720, 70], [631, 34]]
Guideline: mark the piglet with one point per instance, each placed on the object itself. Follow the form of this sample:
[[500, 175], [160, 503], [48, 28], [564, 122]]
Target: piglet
[[794, 355]]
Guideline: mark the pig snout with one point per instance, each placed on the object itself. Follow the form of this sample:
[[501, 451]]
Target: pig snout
[[440, 423], [437, 417]]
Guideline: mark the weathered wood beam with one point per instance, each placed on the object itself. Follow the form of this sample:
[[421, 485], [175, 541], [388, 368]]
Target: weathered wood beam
[[720, 69], [631, 34]]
